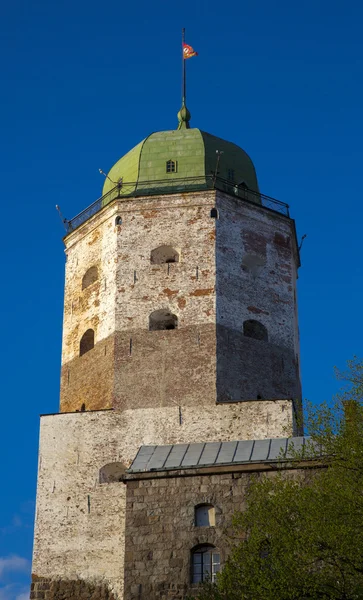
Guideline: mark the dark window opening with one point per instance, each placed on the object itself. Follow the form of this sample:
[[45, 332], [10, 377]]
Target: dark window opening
[[171, 166], [265, 549], [118, 221], [255, 329], [164, 254], [230, 174], [87, 342], [242, 190], [89, 277], [162, 320], [206, 563], [214, 213], [204, 515]]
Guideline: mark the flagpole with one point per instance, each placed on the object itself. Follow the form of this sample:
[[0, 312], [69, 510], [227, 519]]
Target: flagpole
[[183, 114], [184, 94]]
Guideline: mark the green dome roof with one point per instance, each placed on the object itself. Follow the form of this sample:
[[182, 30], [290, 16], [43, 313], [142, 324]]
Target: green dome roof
[[143, 170]]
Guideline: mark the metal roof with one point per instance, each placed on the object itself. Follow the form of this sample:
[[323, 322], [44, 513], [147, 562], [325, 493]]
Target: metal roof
[[187, 456]]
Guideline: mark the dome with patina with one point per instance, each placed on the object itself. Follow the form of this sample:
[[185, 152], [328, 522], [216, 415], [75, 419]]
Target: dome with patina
[[180, 160]]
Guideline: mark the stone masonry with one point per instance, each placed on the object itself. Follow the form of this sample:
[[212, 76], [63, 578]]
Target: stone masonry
[[80, 522], [129, 386], [161, 532], [238, 267]]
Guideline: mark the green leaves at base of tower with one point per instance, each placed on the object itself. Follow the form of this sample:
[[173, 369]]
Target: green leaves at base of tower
[[301, 534]]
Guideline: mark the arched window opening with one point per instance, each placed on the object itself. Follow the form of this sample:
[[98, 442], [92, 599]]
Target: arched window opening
[[204, 515], [164, 254], [171, 166], [214, 213], [118, 220], [206, 563], [255, 329], [111, 472], [89, 277], [241, 190], [162, 319], [87, 342]]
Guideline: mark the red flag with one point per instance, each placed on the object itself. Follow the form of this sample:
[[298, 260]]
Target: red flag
[[188, 51]]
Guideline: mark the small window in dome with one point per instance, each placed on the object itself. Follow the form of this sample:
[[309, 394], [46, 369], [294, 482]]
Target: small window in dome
[[171, 166], [230, 174]]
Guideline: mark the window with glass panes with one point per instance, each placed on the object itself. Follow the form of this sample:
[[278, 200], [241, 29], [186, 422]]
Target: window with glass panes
[[206, 564], [171, 166]]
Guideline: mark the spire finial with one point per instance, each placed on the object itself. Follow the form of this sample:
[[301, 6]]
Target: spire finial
[[184, 115]]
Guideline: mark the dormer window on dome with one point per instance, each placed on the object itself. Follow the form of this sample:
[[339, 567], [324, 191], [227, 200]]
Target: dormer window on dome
[[230, 174], [171, 166]]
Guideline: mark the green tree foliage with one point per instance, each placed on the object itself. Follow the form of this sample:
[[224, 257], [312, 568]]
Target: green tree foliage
[[301, 534]]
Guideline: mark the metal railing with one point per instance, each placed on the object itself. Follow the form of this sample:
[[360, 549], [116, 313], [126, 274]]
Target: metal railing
[[125, 190]]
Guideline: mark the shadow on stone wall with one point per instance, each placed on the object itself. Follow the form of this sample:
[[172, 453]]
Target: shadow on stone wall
[[251, 366], [249, 369]]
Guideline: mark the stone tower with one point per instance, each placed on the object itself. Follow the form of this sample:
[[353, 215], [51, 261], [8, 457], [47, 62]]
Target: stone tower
[[180, 325]]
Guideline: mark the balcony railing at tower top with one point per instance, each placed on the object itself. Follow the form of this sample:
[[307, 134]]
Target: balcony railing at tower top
[[125, 190]]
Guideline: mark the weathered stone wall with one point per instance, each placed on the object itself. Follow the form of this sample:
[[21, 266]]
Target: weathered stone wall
[[129, 288], [161, 533], [89, 379], [256, 271], [237, 267], [80, 523], [164, 385], [166, 368]]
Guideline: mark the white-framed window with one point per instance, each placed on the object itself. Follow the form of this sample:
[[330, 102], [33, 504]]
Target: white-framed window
[[171, 166], [206, 563]]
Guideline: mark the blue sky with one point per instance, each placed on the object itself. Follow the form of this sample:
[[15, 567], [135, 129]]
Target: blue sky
[[82, 83]]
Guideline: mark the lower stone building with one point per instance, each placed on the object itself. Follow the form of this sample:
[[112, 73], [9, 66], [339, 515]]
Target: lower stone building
[[180, 502]]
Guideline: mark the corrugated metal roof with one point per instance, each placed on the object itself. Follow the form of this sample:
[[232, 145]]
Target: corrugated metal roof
[[187, 456]]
